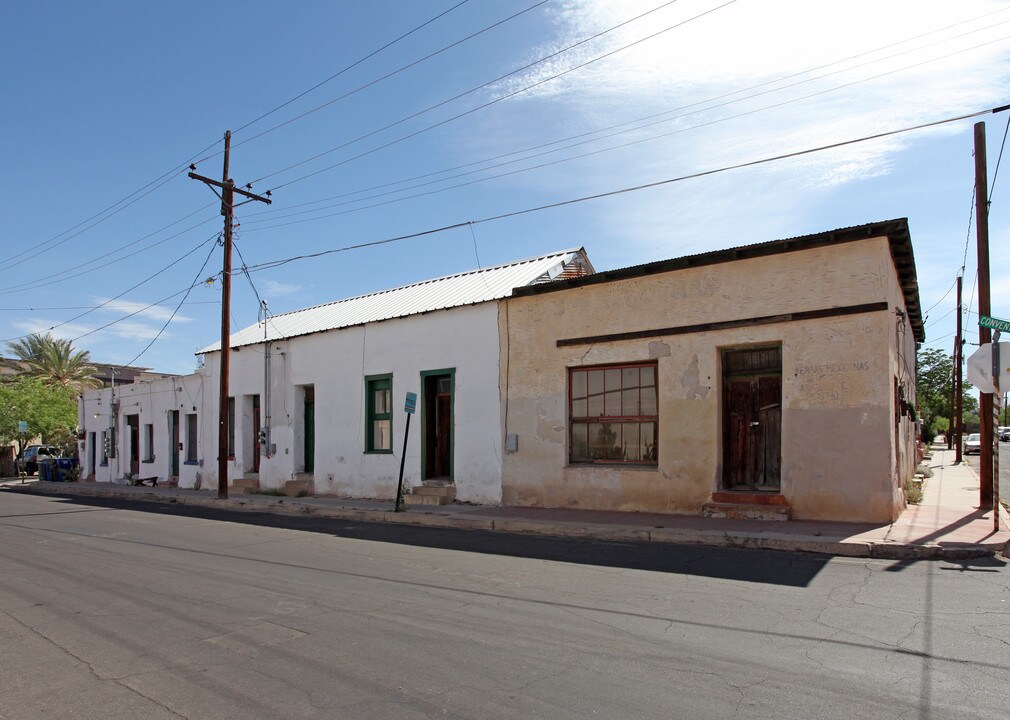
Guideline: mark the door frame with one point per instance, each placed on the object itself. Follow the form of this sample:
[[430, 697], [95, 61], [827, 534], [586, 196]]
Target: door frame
[[725, 379], [425, 374]]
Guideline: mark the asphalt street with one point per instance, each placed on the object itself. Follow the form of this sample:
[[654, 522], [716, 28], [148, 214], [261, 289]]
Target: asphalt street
[[114, 610], [1004, 467]]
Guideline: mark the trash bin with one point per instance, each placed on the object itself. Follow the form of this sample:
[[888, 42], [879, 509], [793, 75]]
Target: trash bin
[[47, 468], [64, 469]]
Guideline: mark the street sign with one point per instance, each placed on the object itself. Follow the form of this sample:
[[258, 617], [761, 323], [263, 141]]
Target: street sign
[[410, 405], [979, 367], [994, 323], [22, 426]]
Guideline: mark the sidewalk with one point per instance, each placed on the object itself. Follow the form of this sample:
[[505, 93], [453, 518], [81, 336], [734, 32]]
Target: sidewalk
[[946, 525]]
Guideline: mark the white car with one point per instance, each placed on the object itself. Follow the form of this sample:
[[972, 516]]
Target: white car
[[973, 444]]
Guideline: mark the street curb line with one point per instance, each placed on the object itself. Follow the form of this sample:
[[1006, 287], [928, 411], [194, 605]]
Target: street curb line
[[522, 526]]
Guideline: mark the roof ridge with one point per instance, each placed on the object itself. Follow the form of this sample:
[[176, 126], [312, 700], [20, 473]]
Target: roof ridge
[[418, 283]]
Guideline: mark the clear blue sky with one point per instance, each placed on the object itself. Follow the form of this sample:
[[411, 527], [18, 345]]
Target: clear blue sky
[[101, 99]]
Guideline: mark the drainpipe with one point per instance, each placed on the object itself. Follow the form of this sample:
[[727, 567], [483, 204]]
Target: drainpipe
[[266, 384]]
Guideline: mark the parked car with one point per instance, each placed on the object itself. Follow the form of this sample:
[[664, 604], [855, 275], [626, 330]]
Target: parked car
[[29, 461], [1003, 432], [973, 444]]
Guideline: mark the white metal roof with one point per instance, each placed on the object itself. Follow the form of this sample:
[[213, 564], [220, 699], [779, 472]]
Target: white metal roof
[[468, 288]]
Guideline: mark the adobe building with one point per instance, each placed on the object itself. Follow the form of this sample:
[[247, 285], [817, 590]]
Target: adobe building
[[768, 380]]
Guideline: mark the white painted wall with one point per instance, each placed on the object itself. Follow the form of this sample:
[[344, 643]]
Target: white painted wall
[[336, 364], [151, 401]]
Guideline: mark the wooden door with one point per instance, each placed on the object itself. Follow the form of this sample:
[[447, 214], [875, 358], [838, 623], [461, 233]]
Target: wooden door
[[752, 419], [310, 429], [133, 421], [256, 434], [437, 430], [173, 435]]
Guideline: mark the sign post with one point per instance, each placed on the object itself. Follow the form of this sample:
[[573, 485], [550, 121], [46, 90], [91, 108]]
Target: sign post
[[995, 423], [997, 326], [22, 431], [409, 406]]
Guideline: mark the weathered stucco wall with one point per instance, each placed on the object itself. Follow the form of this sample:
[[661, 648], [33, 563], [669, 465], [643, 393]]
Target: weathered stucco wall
[[336, 363], [151, 402], [836, 382]]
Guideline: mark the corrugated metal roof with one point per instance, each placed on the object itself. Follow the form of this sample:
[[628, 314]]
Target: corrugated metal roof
[[469, 288]]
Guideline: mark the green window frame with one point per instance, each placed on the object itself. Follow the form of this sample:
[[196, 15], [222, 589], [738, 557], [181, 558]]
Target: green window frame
[[379, 414]]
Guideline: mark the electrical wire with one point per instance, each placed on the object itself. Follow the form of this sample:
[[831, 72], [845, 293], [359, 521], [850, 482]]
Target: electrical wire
[[635, 188], [995, 175], [160, 181], [176, 310], [482, 106], [663, 114], [79, 270], [393, 73], [551, 163], [353, 65], [131, 289]]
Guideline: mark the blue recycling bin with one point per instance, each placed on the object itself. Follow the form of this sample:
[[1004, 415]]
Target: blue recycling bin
[[64, 471], [47, 469]]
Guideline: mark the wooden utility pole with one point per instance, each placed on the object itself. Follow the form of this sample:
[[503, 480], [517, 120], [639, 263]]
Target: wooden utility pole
[[958, 361], [227, 195], [953, 402], [985, 413]]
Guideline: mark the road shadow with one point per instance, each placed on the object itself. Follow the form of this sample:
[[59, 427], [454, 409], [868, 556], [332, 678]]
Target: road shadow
[[770, 567]]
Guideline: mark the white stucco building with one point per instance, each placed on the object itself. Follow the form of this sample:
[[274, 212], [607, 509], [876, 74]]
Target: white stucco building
[[316, 396]]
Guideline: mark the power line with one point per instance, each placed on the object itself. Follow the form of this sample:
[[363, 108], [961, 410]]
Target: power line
[[176, 310], [391, 74], [77, 270], [554, 162], [484, 105], [635, 188], [607, 149], [995, 174], [117, 297], [129, 200], [952, 285], [663, 115], [161, 180], [340, 72]]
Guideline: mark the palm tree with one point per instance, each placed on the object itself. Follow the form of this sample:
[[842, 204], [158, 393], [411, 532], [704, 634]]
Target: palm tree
[[54, 361]]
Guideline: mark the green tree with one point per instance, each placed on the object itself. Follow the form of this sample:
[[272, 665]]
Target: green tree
[[49, 410], [934, 371], [54, 361]]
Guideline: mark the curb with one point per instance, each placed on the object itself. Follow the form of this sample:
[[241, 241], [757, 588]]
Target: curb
[[522, 526]]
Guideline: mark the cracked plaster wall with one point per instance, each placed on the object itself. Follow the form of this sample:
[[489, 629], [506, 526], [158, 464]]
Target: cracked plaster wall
[[836, 429]]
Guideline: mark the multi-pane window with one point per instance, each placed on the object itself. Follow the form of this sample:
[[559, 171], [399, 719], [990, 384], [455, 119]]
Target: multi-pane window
[[379, 420], [613, 414], [191, 437]]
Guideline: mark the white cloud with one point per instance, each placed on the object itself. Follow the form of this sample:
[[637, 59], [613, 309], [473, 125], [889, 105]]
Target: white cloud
[[272, 288], [128, 307], [749, 45]]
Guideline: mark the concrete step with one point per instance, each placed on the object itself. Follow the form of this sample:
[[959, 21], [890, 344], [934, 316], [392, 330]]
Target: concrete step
[[433, 494], [303, 485], [745, 511], [245, 485]]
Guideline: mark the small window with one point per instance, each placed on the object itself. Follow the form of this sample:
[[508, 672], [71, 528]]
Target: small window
[[191, 436], [378, 412], [149, 442], [613, 414]]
